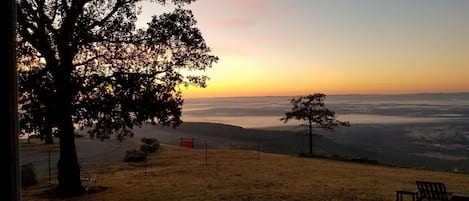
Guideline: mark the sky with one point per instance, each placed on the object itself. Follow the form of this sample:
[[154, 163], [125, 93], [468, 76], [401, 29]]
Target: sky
[[298, 47]]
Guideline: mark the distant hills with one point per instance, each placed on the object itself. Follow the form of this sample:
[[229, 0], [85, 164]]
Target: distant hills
[[363, 143]]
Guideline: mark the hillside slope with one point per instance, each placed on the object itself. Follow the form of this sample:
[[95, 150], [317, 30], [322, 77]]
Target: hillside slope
[[175, 173], [234, 137]]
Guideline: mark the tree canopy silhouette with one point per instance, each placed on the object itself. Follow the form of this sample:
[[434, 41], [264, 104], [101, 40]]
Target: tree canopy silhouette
[[84, 62], [312, 110]]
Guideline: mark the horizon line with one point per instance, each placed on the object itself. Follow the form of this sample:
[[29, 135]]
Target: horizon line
[[338, 94]]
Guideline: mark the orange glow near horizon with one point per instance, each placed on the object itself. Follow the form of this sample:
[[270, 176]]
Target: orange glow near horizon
[[236, 78], [289, 48]]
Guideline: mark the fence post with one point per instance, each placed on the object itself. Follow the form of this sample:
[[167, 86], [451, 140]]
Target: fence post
[[206, 157], [146, 156], [258, 150], [50, 184]]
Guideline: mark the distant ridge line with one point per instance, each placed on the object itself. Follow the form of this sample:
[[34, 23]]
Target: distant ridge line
[[351, 94]]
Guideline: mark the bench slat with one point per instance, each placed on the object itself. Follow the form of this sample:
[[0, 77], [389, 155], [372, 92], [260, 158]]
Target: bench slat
[[432, 191]]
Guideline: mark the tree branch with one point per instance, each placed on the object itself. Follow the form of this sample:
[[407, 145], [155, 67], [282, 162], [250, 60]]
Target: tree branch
[[45, 21], [32, 34], [116, 7], [89, 60]]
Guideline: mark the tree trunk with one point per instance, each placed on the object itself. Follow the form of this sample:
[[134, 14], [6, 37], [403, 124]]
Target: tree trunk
[[68, 167]]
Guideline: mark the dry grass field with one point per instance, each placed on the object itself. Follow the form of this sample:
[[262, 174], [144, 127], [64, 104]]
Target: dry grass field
[[175, 173]]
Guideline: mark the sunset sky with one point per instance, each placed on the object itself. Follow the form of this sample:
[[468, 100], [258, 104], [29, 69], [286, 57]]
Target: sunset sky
[[296, 47]]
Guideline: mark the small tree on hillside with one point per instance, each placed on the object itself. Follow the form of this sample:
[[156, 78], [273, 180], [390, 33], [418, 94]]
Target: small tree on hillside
[[311, 109]]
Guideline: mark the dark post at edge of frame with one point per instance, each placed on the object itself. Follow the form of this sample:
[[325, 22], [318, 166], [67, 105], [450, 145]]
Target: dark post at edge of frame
[[10, 174]]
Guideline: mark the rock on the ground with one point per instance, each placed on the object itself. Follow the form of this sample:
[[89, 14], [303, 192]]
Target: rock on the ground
[[134, 156]]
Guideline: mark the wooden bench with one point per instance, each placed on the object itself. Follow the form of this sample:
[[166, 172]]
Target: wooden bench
[[400, 194], [432, 191]]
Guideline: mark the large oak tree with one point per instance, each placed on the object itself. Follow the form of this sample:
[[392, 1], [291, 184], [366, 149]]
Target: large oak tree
[[84, 62]]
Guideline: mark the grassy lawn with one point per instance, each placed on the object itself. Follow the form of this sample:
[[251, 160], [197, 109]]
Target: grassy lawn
[[38, 145], [175, 173]]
